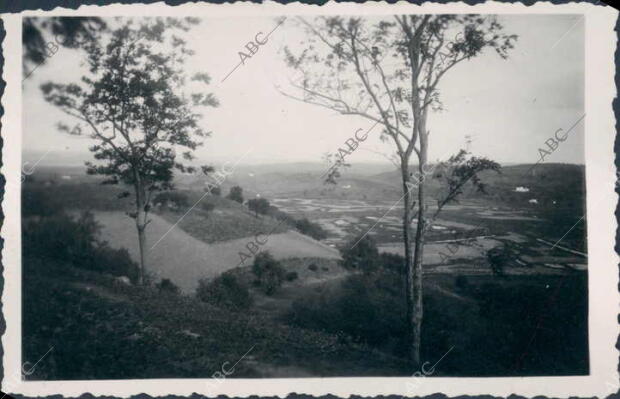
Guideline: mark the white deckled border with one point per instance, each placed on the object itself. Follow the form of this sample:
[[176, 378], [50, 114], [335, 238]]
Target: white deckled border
[[601, 203]]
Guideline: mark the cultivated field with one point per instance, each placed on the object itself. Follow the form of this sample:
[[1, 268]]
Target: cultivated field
[[184, 260]]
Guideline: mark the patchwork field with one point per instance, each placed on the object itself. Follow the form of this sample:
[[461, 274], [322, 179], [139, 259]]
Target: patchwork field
[[184, 259]]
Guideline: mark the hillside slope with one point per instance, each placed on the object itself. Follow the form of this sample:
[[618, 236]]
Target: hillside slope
[[100, 329], [184, 259]]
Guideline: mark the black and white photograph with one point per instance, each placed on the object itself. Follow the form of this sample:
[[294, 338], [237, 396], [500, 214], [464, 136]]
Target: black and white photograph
[[279, 195]]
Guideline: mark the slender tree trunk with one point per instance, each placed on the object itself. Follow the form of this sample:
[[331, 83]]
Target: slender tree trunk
[[418, 310], [141, 226], [142, 244], [409, 264]]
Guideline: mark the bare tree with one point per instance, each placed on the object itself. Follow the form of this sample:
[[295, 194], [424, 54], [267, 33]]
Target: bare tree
[[388, 71], [132, 105]]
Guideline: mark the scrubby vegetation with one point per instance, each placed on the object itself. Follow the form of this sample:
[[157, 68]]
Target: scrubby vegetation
[[361, 254], [291, 276], [225, 291], [60, 237], [167, 287], [236, 194], [258, 205], [269, 272], [172, 199], [311, 229], [103, 330], [330, 320]]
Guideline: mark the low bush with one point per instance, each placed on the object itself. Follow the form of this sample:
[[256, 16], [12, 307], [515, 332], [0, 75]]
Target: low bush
[[167, 286], [291, 276], [225, 291], [368, 308], [235, 194], [361, 254], [393, 262], [311, 229], [36, 201], [208, 207], [258, 205], [63, 238], [268, 271], [172, 199], [313, 267]]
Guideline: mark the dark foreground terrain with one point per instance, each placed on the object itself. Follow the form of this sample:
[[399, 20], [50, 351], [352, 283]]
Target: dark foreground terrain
[[530, 318]]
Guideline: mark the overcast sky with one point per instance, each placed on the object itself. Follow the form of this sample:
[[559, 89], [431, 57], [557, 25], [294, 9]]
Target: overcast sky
[[510, 107]]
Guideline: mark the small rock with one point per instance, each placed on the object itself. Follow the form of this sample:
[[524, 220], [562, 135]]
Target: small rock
[[190, 334], [134, 337], [123, 280]]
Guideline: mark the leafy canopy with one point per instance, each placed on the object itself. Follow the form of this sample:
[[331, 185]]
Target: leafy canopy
[[134, 102]]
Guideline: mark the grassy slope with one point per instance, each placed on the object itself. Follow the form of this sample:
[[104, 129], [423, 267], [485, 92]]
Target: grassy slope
[[229, 220], [103, 330]]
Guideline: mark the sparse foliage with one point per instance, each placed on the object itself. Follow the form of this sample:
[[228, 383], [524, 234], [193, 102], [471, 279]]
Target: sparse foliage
[[225, 291], [388, 71], [269, 272], [258, 205], [70, 32], [235, 194], [133, 104], [361, 254]]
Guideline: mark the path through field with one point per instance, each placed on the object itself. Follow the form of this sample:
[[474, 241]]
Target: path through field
[[184, 259]]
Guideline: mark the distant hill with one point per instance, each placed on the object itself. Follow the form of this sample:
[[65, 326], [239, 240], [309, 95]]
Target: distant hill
[[546, 183]]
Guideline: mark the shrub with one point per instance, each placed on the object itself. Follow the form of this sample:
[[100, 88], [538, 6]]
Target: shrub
[[207, 207], [369, 308], [325, 268], [268, 271], [259, 205], [236, 194], [216, 191], [393, 262], [225, 291], [291, 276], [311, 229], [313, 267], [173, 199], [37, 202], [167, 286], [361, 254], [74, 241]]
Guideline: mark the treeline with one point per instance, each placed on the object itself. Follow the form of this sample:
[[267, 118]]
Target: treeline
[[177, 200]]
